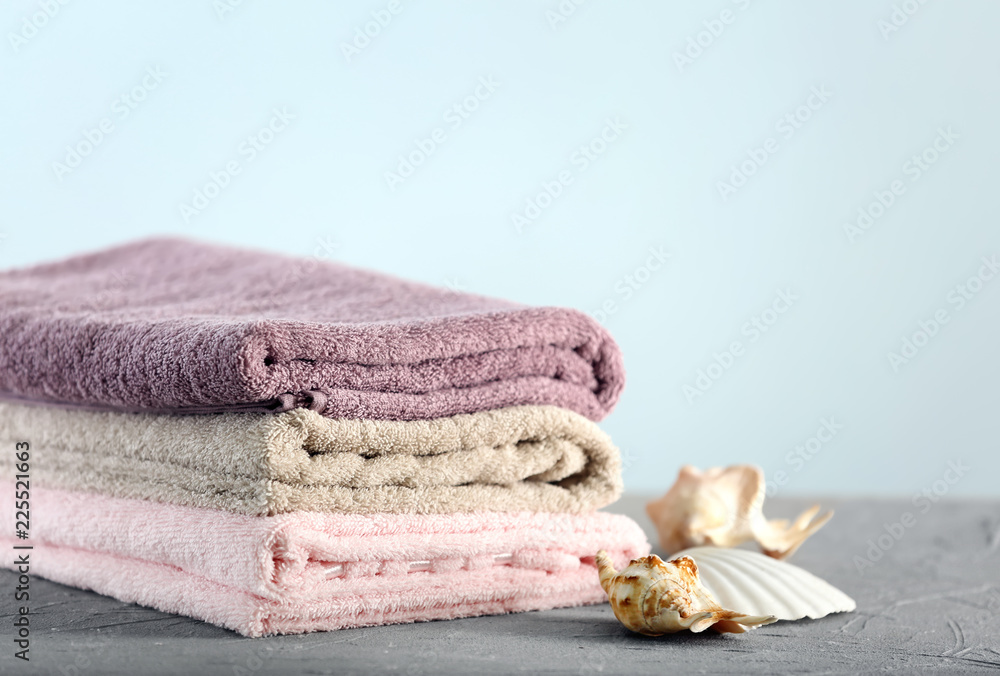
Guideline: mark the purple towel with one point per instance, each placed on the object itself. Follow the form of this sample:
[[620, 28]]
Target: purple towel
[[177, 326]]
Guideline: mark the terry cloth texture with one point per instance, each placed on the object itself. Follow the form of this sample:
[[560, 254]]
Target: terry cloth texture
[[178, 326], [528, 458], [305, 572]]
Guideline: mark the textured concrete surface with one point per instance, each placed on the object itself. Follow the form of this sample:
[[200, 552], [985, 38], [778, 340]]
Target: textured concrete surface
[[930, 602]]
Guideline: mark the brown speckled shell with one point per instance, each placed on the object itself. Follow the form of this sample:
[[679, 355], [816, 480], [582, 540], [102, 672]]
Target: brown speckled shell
[[654, 597]]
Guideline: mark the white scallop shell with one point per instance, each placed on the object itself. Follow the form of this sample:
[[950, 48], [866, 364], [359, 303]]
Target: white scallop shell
[[756, 584]]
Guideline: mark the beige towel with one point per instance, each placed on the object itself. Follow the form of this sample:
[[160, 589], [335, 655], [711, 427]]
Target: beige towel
[[533, 458]]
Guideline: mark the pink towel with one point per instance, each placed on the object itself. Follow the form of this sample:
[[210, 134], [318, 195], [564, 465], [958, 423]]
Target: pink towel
[[304, 571], [176, 326]]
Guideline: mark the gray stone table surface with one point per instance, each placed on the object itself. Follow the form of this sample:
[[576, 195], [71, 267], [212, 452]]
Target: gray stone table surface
[[928, 601]]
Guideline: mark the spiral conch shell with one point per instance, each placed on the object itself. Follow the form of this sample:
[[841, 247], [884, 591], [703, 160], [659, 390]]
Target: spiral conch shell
[[654, 597], [724, 507]]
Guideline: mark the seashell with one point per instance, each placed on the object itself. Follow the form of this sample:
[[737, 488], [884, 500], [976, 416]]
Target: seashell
[[654, 598], [724, 507], [760, 585]]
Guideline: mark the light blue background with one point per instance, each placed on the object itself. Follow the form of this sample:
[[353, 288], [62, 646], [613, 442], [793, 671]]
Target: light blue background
[[321, 181]]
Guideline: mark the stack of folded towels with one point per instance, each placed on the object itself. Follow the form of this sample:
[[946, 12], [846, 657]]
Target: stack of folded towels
[[280, 445]]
